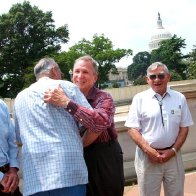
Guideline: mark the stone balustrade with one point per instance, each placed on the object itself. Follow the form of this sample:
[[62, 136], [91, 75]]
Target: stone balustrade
[[122, 98]]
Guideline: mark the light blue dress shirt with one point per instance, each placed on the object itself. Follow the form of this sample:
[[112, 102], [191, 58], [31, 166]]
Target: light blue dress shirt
[[52, 151], [8, 147], [1, 175]]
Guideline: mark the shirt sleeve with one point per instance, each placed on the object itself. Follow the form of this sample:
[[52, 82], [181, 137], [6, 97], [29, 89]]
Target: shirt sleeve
[[74, 93], [98, 119], [133, 118], [1, 175], [12, 146]]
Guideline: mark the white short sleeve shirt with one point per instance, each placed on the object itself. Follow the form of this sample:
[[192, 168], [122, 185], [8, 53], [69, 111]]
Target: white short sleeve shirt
[[145, 115]]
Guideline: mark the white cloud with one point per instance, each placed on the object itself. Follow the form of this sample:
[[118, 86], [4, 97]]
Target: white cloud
[[128, 24]]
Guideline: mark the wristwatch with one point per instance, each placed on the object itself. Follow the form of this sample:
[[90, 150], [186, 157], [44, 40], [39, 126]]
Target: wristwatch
[[173, 149]]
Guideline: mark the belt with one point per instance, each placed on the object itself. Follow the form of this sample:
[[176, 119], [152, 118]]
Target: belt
[[5, 168], [166, 148], [101, 144]]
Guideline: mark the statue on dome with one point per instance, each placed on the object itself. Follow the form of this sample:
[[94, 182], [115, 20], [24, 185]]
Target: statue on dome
[[159, 16]]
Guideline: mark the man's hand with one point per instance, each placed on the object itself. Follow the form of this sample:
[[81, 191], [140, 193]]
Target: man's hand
[[166, 155], [153, 155], [89, 137], [56, 97], [162, 157], [10, 180]]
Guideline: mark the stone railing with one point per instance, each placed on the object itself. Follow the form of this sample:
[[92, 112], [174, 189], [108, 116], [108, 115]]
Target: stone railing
[[121, 95], [125, 94]]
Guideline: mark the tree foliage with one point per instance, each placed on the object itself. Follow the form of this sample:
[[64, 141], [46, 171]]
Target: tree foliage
[[138, 68], [170, 54], [27, 34], [191, 69], [141, 80], [65, 61], [101, 49]]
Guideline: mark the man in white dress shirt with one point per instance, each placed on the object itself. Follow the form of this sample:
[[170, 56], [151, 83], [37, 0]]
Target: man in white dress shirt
[[158, 122]]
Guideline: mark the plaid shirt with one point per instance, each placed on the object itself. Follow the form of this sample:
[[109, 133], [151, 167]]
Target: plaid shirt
[[101, 118], [52, 151]]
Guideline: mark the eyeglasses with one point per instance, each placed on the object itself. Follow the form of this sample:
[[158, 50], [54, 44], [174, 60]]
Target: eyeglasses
[[160, 76]]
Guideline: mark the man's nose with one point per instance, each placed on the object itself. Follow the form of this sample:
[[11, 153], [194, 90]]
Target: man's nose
[[80, 74]]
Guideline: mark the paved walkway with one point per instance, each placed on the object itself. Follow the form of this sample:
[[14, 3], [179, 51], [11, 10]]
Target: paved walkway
[[189, 189]]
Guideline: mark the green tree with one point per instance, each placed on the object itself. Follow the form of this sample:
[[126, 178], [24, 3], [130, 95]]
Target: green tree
[[27, 34], [141, 80], [175, 76], [193, 54], [101, 49], [192, 71], [170, 54], [138, 68], [191, 68], [115, 84], [65, 61]]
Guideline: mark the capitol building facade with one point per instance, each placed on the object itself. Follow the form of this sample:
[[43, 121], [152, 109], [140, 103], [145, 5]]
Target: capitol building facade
[[159, 35]]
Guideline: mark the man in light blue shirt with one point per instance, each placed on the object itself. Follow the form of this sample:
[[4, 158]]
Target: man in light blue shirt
[[8, 154], [52, 150]]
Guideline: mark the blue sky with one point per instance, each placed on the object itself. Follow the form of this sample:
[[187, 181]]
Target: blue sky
[[128, 24]]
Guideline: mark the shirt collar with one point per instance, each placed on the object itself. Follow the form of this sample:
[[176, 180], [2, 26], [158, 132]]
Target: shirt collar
[[44, 78], [153, 93], [92, 93]]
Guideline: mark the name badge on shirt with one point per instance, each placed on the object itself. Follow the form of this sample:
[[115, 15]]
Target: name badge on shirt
[[176, 112]]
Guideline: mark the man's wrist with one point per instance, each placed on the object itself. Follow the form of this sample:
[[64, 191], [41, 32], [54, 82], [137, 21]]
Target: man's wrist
[[13, 169], [66, 102]]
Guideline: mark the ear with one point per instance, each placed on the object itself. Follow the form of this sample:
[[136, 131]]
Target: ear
[[168, 77], [95, 77], [53, 72]]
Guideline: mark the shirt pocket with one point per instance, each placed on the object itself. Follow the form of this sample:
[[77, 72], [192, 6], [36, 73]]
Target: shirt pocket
[[175, 115]]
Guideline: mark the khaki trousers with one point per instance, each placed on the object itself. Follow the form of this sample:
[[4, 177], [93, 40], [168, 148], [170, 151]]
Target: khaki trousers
[[150, 176]]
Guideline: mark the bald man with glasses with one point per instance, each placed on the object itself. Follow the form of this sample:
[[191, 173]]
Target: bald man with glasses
[[158, 122]]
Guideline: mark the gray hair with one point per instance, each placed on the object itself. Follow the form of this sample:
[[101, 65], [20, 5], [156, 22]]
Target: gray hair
[[43, 65], [90, 59], [155, 66]]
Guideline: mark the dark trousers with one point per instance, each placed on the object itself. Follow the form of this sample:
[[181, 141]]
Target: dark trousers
[[105, 168], [16, 193]]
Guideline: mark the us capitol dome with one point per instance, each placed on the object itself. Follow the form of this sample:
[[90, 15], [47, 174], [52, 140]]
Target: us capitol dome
[[159, 34]]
